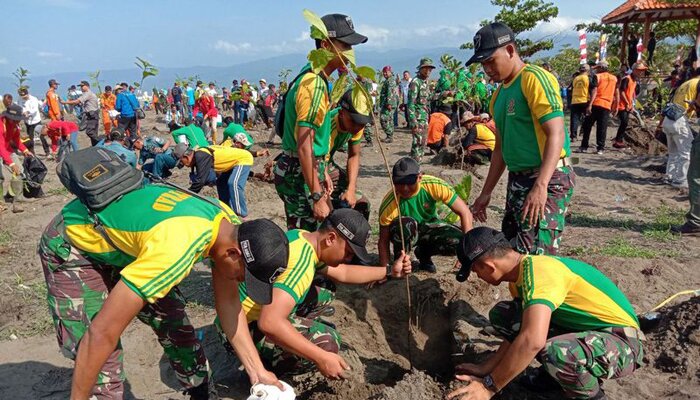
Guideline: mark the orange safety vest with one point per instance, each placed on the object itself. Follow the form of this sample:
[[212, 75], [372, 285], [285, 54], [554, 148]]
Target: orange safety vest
[[630, 92], [606, 90], [436, 127]]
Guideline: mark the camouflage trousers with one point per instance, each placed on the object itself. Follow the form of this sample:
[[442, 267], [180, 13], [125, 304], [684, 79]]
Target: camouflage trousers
[[419, 140], [428, 239], [292, 189], [339, 176], [544, 237], [76, 290], [386, 119], [578, 361], [306, 320], [369, 133]]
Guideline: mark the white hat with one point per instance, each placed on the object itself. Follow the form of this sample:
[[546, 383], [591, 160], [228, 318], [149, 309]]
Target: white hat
[[263, 80], [484, 116]]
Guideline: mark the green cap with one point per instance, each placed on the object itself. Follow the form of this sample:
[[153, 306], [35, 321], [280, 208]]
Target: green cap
[[426, 62]]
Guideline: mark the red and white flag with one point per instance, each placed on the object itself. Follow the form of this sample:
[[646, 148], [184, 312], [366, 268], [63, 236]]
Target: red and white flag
[[582, 46]]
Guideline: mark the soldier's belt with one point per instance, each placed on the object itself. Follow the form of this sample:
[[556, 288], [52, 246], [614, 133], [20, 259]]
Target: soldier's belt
[[563, 162], [627, 331]]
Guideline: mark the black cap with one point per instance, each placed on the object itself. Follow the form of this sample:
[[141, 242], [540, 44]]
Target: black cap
[[340, 27], [474, 244], [117, 134], [84, 83], [13, 112], [346, 103], [52, 82], [405, 171], [354, 228], [490, 38], [265, 251]]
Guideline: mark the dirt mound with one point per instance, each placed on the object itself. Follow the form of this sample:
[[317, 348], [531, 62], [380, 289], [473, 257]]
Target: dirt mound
[[674, 345], [642, 141], [415, 386]]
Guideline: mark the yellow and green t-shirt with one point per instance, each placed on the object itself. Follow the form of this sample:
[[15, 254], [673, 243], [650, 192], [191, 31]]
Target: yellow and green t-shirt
[[157, 244], [687, 91], [519, 109], [485, 136], [307, 104], [339, 138], [296, 280], [580, 297], [226, 157], [422, 206]]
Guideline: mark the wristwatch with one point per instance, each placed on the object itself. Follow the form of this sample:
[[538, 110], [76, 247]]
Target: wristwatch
[[316, 196], [489, 384]]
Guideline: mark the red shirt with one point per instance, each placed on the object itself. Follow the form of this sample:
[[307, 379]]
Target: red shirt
[[62, 128], [9, 140], [207, 107]]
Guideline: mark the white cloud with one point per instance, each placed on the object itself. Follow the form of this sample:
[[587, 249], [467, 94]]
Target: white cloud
[[232, 48], [48, 54], [303, 36], [441, 31], [376, 36], [561, 24], [3, 61]]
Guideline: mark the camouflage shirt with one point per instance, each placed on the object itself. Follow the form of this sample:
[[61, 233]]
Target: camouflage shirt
[[418, 101], [389, 94]]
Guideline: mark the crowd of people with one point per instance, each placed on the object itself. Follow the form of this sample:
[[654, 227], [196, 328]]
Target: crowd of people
[[273, 289]]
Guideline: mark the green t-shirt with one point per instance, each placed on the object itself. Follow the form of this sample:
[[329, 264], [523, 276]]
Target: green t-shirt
[[237, 132], [581, 297], [519, 109], [307, 104], [422, 206], [194, 135]]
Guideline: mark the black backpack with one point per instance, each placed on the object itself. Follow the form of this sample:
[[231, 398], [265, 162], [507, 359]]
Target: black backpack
[[98, 176], [279, 114], [34, 172]]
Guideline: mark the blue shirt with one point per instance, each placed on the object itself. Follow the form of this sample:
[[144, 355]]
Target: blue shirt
[[125, 154], [126, 103], [177, 94], [190, 96]]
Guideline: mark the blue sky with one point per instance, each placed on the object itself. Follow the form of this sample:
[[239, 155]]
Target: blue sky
[[49, 36]]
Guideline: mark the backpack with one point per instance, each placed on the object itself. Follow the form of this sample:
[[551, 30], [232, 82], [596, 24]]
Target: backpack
[[98, 176], [279, 114]]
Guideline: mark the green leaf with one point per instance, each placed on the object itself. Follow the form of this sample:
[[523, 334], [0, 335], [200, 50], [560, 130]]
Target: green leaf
[[317, 23], [339, 88], [319, 58], [316, 34], [366, 72]]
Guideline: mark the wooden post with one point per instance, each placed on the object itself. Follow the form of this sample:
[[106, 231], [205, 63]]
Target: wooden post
[[647, 30], [623, 46]]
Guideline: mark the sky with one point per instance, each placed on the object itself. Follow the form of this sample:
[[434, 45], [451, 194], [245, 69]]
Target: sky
[[50, 36]]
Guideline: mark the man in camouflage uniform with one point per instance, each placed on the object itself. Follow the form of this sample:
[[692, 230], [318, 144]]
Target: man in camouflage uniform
[[419, 96], [564, 312], [388, 103], [94, 289], [290, 333], [531, 142]]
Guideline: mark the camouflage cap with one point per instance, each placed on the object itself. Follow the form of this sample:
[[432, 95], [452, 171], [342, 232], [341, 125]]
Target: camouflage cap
[[426, 62]]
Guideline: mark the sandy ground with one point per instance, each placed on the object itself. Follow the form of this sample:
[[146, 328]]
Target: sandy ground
[[618, 221]]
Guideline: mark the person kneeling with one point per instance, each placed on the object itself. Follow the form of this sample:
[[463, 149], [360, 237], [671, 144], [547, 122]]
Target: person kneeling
[[289, 332], [565, 313]]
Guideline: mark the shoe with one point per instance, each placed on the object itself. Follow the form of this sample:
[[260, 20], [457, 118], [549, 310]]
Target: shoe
[[538, 381], [599, 152], [680, 185], [582, 150], [619, 145], [388, 140], [686, 230], [328, 312], [205, 391]]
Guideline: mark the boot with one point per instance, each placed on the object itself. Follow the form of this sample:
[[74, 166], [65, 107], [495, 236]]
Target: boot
[[205, 391], [425, 262], [686, 230]]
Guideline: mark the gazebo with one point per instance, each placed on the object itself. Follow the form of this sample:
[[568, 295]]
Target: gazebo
[[648, 11]]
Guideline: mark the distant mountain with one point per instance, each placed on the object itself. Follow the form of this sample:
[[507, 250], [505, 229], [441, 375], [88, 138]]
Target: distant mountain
[[269, 68]]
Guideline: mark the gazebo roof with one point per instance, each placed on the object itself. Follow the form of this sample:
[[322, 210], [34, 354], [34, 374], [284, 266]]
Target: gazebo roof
[[656, 10]]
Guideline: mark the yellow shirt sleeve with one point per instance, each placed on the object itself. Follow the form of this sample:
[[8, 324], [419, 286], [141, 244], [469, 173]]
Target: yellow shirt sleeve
[[387, 210], [311, 101], [439, 190], [301, 267], [167, 254], [541, 90], [544, 281], [357, 138]]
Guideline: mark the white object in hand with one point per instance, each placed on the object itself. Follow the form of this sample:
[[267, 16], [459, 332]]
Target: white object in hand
[[260, 391]]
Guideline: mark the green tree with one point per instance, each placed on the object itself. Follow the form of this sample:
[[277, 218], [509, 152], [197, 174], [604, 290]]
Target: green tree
[[565, 63], [523, 16]]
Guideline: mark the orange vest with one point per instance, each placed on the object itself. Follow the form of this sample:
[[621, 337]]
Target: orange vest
[[436, 127], [606, 90], [630, 92]]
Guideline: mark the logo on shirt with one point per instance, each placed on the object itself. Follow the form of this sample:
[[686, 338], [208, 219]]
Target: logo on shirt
[[510, 110], [247, 254]]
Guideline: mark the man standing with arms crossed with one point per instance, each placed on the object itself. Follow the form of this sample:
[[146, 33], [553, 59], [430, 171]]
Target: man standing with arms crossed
[[531, 142], [300, 172], [388, 102]]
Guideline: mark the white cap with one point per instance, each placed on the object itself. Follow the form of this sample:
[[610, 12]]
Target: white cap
[[263, 80]]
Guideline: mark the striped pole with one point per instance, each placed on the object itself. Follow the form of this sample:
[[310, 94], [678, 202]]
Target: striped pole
[[582, 46]]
